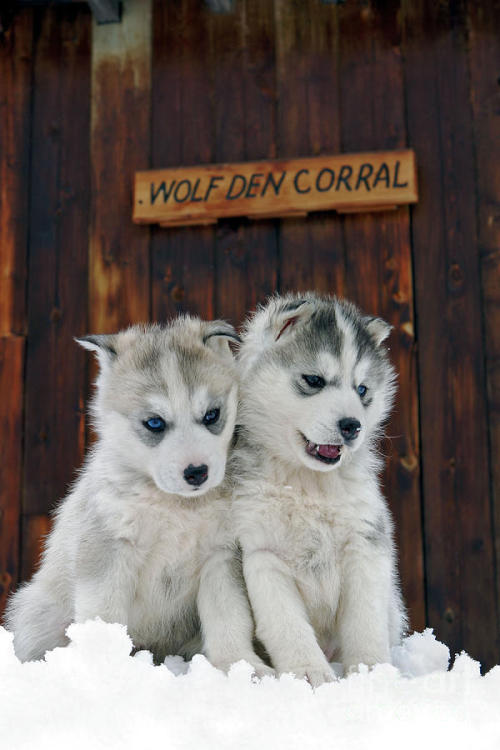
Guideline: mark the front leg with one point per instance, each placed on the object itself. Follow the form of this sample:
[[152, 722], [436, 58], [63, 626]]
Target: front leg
[[281, 618], [226, 621], [363, 617], [105, 590]]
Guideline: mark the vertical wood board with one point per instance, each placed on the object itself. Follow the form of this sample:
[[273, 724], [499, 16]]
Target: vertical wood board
[[458, 523], [15, 100], [484, 59], [182, 260], [11, 411], [311, 249], [119, 291], [57, 283]]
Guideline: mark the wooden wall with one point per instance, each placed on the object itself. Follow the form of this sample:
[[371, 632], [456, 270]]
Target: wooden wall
[[83, 106]]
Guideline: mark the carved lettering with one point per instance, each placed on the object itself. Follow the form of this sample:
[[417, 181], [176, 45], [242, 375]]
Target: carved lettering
[[296, 182]]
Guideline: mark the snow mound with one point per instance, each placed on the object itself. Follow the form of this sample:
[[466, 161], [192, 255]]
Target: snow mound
[[93, 695]]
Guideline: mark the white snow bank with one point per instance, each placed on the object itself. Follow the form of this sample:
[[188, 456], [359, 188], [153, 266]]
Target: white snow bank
[[93, 695]]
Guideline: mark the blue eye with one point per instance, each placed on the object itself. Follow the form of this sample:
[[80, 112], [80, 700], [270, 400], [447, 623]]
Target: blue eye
[[361, 389], [211, 417], [155, 424], [314, 381]]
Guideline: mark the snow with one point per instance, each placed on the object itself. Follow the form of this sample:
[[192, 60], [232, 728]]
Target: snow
[[93, 695]]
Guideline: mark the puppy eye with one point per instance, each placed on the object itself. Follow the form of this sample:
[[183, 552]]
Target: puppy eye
[[211, 417], [155, 424], [362, 389], [315, 381]]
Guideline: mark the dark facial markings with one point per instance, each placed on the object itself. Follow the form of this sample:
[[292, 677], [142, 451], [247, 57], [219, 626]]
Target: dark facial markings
[[211, 417], [310, 385], [151, 430], [314, 381], [155, 424], [365, 393], [214, 420]]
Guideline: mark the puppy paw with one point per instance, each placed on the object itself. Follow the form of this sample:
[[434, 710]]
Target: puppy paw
[[260, 669], [316, 675], [352, 666]]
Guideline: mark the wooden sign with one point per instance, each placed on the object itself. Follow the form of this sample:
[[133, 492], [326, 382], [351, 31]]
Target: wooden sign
[[346, 182]]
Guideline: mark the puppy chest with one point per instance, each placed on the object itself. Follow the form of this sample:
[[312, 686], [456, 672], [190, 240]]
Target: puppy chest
[[172, 561]]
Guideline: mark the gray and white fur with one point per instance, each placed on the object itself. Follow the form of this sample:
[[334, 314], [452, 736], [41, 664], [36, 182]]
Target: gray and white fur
[[143, 538], [315, 531]]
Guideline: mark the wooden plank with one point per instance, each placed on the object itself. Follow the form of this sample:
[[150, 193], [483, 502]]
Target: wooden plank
[[379, 263], [227, 64], [458, 524], [15, 92], [349, 182], [246, 253], [311, 250], [119, 291], [241, 59], [182, 260], [15, 102], [34, 531], [57, 281], [11, 430], [484, 58]]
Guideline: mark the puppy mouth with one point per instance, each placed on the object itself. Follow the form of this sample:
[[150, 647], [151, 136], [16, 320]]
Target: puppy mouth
[[327, 453]]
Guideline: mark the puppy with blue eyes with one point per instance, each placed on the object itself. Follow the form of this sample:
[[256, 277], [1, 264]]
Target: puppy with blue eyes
[[143, 538], [315, 531]]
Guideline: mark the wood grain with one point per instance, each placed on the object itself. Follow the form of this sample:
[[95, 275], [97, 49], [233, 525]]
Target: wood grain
[[484, 60], [119, 291], [57, 283], [15, 95], [246, 254], [11, 414], [455, 469], [311, 250], [182, 260], [15, 102]]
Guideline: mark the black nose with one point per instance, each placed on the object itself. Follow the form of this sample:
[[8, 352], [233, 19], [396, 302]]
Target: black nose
[[196, 475], [349, 427]]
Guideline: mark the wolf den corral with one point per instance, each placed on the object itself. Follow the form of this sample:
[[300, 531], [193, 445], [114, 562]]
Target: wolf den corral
[[143, 538], [316, 533]]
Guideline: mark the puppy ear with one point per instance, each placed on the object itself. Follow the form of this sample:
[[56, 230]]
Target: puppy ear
[[217, 334], [287, 317], [101, 343], [378, 329]]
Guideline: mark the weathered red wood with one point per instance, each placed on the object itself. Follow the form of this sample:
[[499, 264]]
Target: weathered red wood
[[57, 284], [226, 60], [484, 58], [458, 524], [15, 99], [11, 430], [15, 92], [119, 290], [182, 260], [311, 250], [379, 263], [229, 55], [246, 256], [34, 532]]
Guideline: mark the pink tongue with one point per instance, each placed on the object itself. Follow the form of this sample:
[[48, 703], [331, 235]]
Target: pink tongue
[[328, 451]]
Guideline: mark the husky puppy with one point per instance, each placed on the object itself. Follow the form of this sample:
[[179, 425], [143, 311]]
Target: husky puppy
[[315, 531], [143, 538]]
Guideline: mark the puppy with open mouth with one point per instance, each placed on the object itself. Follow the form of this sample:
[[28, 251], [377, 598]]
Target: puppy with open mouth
[[315, 531], [143, 538]]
